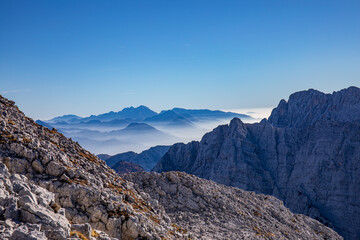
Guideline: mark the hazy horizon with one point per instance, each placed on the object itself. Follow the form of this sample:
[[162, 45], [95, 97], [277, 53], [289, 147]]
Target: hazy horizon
[[256, 113]]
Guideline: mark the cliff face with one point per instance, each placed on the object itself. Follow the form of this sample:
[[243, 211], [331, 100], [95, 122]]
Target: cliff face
[[307, 154]]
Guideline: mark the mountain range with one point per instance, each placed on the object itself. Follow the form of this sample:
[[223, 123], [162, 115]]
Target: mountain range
[[52, 188], [137, 129], [307, 153], [143, 113]]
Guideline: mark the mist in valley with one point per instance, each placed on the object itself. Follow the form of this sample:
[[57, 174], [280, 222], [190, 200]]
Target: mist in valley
[[109, 134]]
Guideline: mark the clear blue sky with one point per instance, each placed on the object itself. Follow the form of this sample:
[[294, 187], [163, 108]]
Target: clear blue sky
[[88, 57]]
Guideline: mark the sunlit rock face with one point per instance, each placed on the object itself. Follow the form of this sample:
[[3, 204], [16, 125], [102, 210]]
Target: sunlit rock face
[[307, 154]]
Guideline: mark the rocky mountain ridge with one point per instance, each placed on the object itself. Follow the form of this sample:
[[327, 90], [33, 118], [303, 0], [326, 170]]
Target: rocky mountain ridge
[[306, 154], [214, 211], [81, 188], [51, 188]]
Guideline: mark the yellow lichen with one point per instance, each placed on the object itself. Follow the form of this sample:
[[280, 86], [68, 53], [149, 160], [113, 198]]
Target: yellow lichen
[[94, 233], [78, 234], [26, 140]]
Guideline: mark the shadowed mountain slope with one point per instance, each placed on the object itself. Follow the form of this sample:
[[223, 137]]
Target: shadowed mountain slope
[[123, 167], [307, 154], [147, 159]]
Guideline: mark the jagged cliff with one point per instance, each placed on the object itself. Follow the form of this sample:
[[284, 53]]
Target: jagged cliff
[[51, 188], [307, 154]]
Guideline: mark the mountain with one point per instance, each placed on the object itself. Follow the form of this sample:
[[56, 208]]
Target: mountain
[[52, 188], [138, 113], [163, 116], [192, 115], [306, 154], [180, 122], [126, 156], [117, 122], [123, 167], [143, 113], [64, 118], [128, 114], [207, 114], [146, 159], [133, 137], [44, 124], [138, 127], [103, 156], [141, 132]]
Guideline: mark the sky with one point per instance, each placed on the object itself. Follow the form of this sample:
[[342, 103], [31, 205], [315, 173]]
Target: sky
[[88, 57]]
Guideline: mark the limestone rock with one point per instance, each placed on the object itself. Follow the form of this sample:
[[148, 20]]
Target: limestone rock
[[207, 210], [306, 154]]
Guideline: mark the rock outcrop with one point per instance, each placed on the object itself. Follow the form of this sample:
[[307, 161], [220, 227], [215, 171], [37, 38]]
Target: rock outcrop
[[52, 188], [307, 154], [213, 211]]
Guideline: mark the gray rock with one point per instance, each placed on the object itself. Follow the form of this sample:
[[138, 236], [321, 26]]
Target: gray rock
[[84, 229], [23, 232], [306, 154], [222, 212], [37, 166]]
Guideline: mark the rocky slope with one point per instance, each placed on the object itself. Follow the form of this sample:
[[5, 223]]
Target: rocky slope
[[52, 188], [213, 211], [307, 154]]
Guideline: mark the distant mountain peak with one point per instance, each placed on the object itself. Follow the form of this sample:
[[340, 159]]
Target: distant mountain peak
[[139, 127], [66, 117], [140, 107]]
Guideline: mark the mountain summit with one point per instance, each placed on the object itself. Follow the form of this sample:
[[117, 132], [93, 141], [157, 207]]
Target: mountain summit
[[138, 113]]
